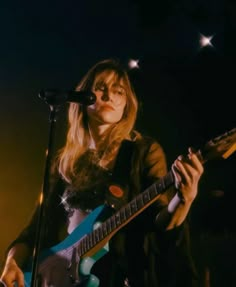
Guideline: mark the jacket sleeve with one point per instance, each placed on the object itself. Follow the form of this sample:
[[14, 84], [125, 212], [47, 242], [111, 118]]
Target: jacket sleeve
[[170, 250], [155, 168]]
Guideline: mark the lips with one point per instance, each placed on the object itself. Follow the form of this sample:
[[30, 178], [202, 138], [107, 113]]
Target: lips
[[107, 107]]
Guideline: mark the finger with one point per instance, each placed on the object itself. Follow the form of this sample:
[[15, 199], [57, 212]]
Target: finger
[[183, 170], [20, 279], [192, 150], [10, 280], [7, 283], [190, 171], [195, 161], [177, 176], [191, 161]]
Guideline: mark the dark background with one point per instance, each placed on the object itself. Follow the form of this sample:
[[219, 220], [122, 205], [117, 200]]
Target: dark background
[[186, 95]]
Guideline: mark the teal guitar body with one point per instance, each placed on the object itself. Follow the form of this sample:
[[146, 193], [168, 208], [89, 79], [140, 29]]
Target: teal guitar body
[[62, 266]]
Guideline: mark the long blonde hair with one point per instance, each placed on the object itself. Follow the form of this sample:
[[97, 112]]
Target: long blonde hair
[[78, 136]]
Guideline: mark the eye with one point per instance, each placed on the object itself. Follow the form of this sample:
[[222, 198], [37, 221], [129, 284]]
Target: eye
[[121, 92], [100, 87]]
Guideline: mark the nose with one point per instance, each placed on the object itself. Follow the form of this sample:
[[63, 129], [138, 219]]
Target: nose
[[106, 95]]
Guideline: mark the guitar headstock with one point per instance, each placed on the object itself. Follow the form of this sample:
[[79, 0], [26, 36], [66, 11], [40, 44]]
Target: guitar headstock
[[221, 146]]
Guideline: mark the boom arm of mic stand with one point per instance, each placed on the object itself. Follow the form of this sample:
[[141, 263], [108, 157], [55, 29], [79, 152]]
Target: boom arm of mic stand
[[43, 197]]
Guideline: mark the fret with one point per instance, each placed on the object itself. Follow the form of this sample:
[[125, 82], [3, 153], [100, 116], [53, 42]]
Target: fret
[[86, 245], [80, 248], [84, 240], [146, 197], [117, 219], [128, 211], [139, 201], [133, 206], [163, 183], [122, 214], [113, 222], [100, 232], [90, 241], [159, 186], [104, 229], [108, 223], [93, 239], [153, 191], [96, 235], [169, 179]]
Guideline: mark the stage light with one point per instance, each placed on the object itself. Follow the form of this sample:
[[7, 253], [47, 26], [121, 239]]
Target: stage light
[[133, 64], [205, 41]]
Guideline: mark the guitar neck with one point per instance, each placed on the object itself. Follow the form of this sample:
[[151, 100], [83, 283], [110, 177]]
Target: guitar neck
[[129, 211]]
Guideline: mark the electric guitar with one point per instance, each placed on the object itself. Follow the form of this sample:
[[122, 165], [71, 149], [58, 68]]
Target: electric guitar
[[73, 258]]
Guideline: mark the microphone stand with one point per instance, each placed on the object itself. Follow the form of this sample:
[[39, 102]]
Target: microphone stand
[[54, 99], [35, 280]]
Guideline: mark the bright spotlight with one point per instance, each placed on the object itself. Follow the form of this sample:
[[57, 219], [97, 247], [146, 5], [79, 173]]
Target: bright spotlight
[[205, 41], [133, 64]]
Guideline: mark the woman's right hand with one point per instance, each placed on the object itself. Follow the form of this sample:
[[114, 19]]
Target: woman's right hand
[[12, 275]]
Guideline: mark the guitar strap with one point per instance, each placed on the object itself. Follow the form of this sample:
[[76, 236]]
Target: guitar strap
[[118, 188]]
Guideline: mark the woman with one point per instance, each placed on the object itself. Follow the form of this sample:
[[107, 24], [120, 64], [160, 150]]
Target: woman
[[106, 161]]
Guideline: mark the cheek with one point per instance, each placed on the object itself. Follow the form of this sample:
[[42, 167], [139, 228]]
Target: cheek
[[120, 112], [122, 106]]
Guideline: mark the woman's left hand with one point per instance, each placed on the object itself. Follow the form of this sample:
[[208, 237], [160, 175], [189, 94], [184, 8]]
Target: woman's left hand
[[187, 171]]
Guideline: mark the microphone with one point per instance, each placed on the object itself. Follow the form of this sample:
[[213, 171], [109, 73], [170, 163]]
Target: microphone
[[57, 97]]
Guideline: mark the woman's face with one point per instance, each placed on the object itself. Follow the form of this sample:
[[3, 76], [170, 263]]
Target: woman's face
[[111, 99]]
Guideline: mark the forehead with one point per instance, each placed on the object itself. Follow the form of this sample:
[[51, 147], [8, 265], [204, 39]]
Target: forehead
[[109, 77]]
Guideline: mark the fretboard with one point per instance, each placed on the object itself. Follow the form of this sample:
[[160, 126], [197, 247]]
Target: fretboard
[[126, 213]]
